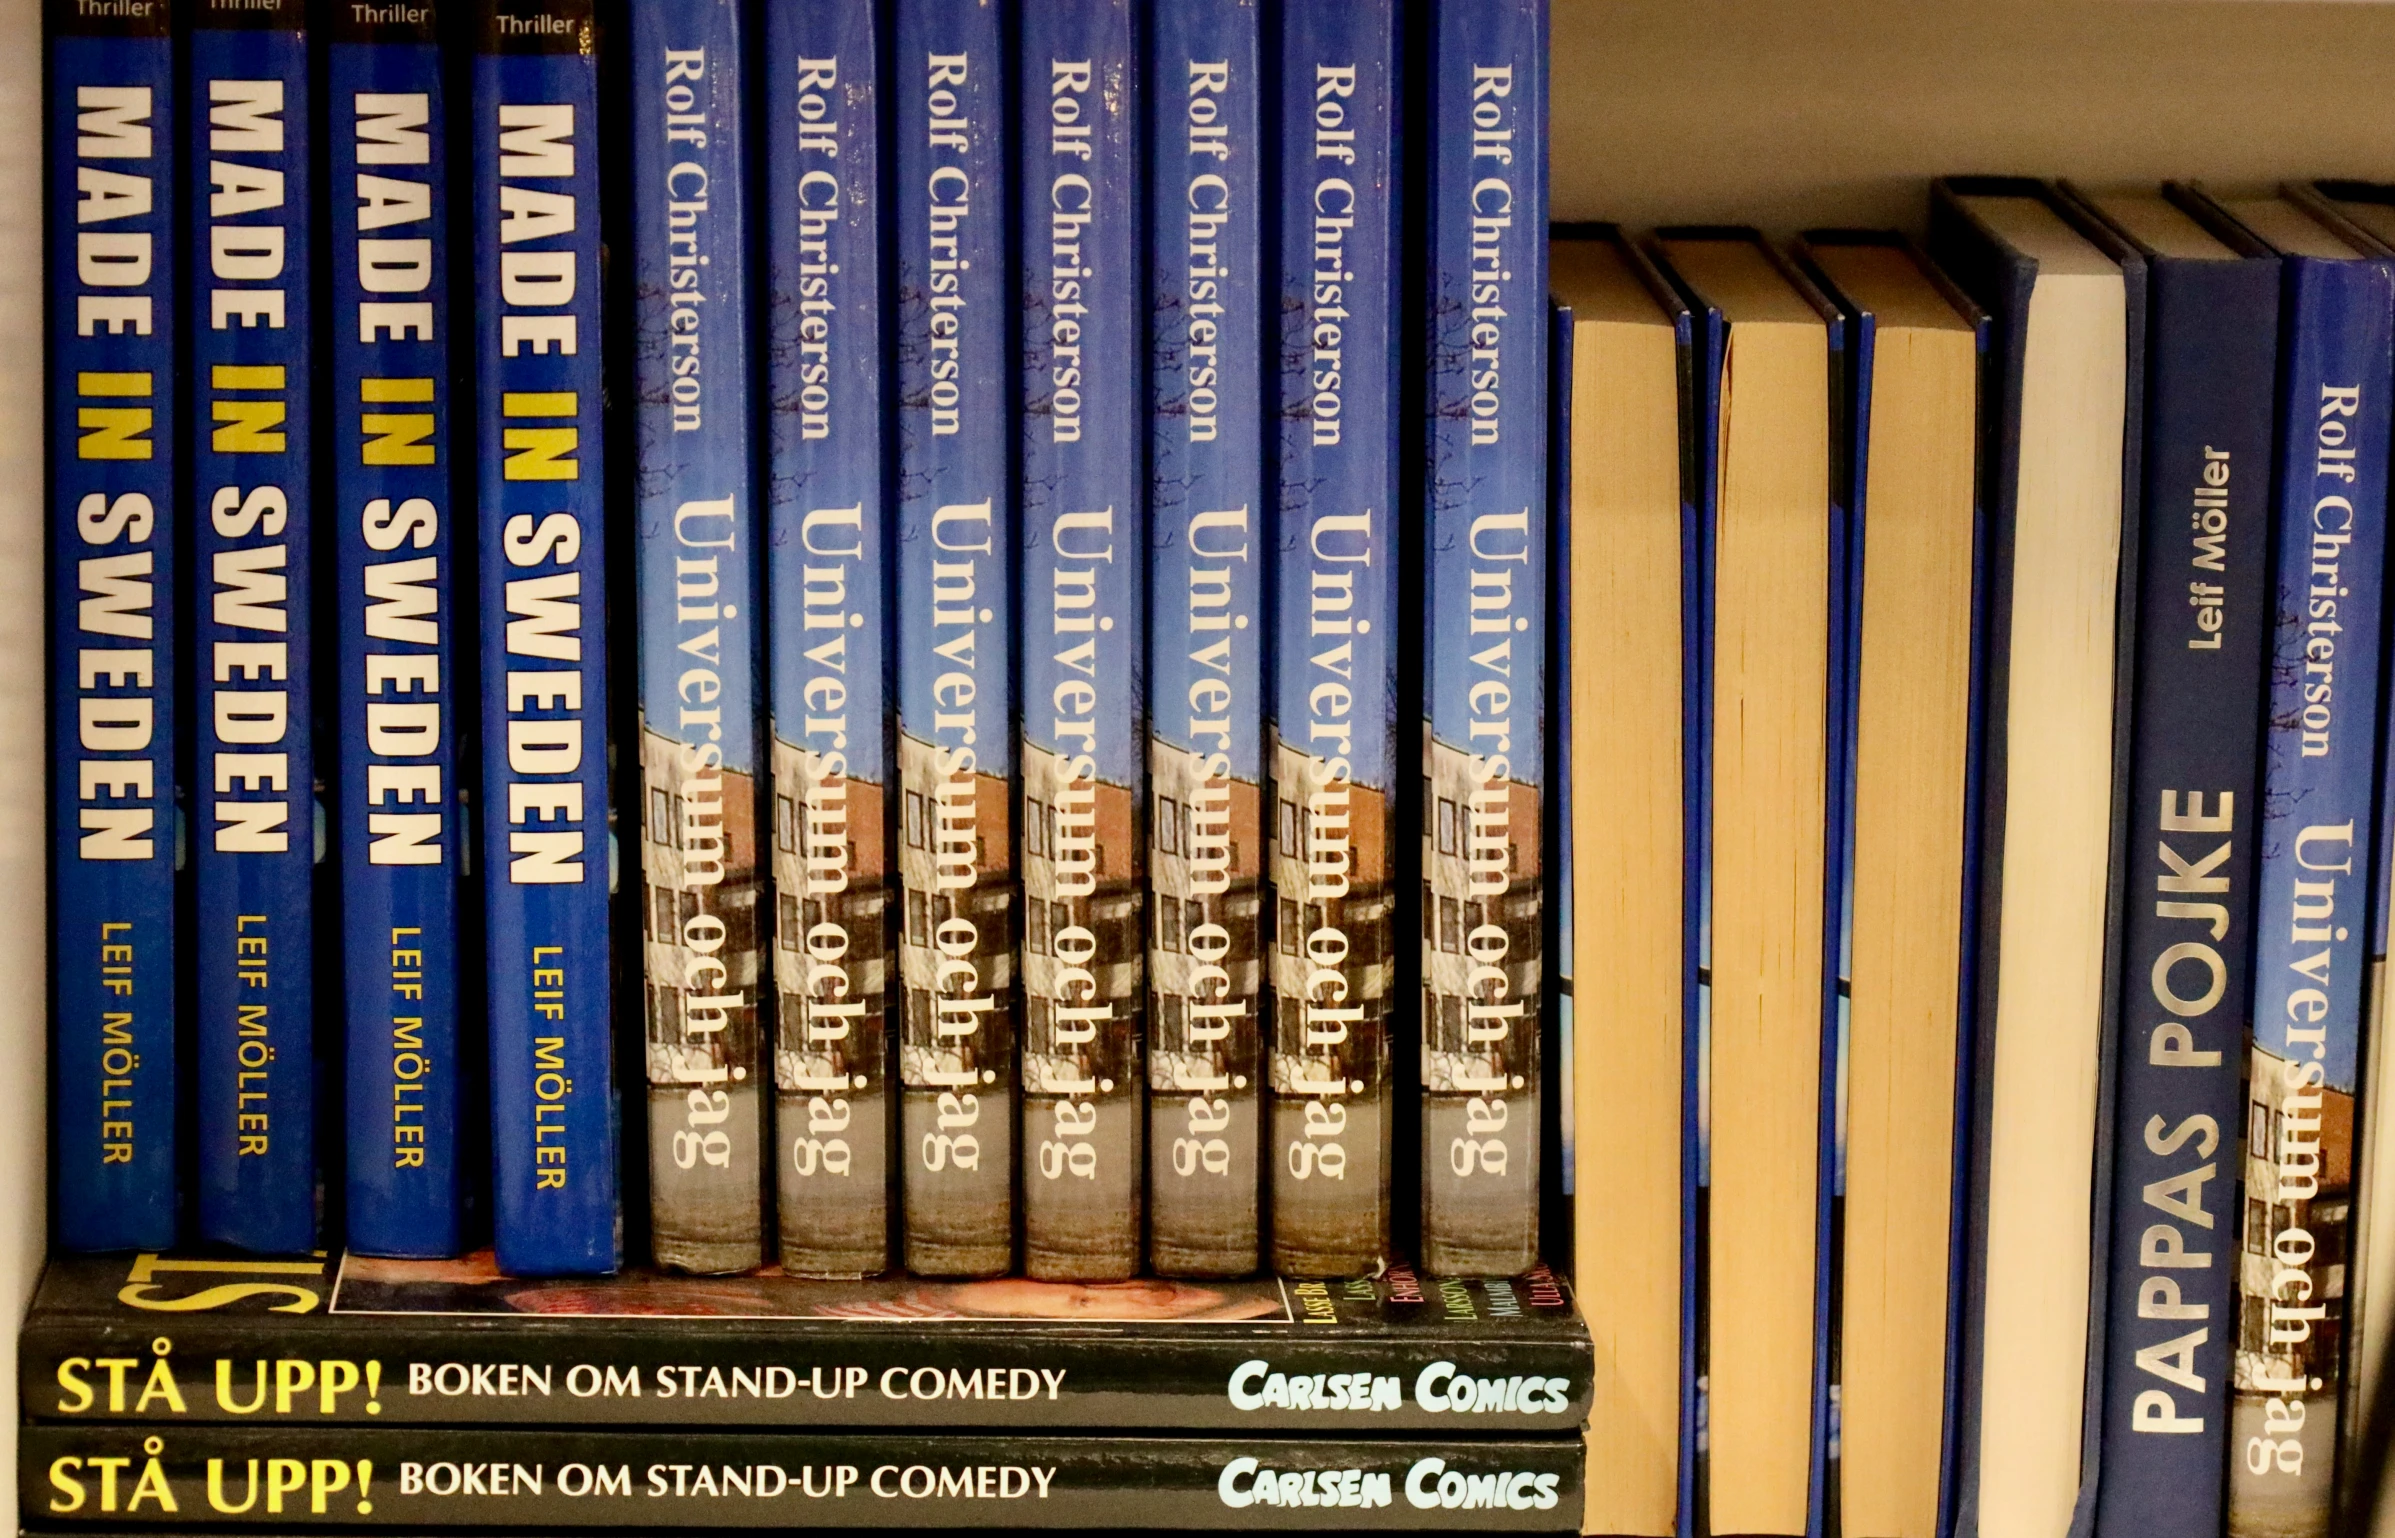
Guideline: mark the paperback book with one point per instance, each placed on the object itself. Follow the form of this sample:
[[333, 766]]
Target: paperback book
[[828, 492], [1207, 534], [1084, 618], [423, 1480], [2319, 789], [252, 467], [1333, 793], [115, 447], [1484, 641], [697, 563], [359, 1341], [402, 843], [548, 854], [956, 624]]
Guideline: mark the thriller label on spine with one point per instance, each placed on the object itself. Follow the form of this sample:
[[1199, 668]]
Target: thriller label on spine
[[1484, 647], [1084, 512], [697, 565], [400, 849], [956, 701], [256, 840], [1334, 750], [2319, 751], [829, 496], [1208, 542], [113, 245], [540, 470]]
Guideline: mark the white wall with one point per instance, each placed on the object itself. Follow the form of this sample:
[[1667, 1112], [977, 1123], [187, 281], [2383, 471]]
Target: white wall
[[1789, 113]]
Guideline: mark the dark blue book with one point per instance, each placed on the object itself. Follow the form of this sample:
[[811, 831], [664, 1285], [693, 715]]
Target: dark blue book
[[697, 560], [1770, 611], [1335, 755], [2319, 792], [2047, 849], [1484, 630], [540, 475], [1084, 630], [955, 613], [401, 843], [256, 841], [828, 491], [1207, 538], [2212, 332], [113, 245]]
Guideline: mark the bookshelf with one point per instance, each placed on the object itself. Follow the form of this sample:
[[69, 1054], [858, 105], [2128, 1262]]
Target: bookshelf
[[1785, 113]]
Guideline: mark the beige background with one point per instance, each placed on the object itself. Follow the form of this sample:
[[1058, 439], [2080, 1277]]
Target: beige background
[[1788, 113]]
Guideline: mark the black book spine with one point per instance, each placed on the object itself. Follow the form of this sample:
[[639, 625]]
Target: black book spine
[[249, 1478]]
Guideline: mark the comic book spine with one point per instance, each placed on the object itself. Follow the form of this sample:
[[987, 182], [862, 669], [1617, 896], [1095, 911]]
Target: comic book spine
[[697, 565], [1084, 626], [2320, 750], [400, 841], [113, 443], [243, 1479], [255, 844], [828, 493], [1207, 508], [1484, 640], [2202, 669], [956, 700], [539, 474], [1335, 705]]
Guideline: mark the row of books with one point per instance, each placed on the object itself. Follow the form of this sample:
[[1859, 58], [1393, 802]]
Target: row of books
[[1980, 817], [1005, 686]]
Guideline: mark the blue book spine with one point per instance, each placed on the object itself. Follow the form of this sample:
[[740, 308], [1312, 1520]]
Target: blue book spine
[[256, 839], [394, 569], [2202, 655], [698, 566], [539, 467], [2320, 755], [113, 838], [1207, 490], [1484, 639], [1084, 592], [828, 496], [1335, 709], [956, 699]]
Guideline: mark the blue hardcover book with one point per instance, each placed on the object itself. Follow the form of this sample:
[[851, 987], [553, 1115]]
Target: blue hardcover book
[[1768, 651], [540, 474], [1484, 630], [2047, 851], [828, 496], [256, 841], [1084, 631], [2212, 331], [1208, 501], [697, 562], [956, 699], [401, 841], [1335, 705], [114, 521], [2319, 788]]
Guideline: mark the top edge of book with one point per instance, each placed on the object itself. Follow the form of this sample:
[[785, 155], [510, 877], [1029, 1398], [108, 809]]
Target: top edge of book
[[2369, 205], [2030, 226], [1596, 279], [1738, 277], [2163, 227], [2291, 229], [1887, 281], [130, 1290]]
